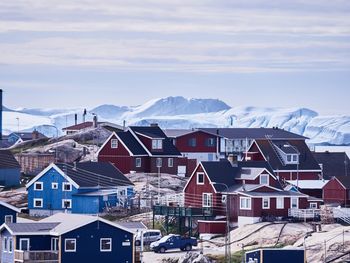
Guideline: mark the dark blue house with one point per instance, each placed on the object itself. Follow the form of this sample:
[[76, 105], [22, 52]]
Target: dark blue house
[[10, 170], [8, 213], [84, 188], [67, 238]]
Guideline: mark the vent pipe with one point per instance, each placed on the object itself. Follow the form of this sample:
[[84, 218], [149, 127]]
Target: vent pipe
[[75, 119]]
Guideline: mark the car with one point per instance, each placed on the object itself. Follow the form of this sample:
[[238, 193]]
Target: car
[[173, 242], [149, 236]]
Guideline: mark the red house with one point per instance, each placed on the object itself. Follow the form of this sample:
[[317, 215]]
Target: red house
[[289, 159], [196, 144], [337, 191], [251, 189], [142, 149]]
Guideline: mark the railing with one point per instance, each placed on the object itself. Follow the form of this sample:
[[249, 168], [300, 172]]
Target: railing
[[36, 256], [303, 213], [173, 199], [182, 211], [342, 214]]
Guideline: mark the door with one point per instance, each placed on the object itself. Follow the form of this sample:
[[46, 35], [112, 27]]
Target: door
[[54, 244], [24, 244]]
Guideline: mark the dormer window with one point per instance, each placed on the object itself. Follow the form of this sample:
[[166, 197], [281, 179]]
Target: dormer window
[[114, 143], [264, 179], [157, 144], [292, 158]]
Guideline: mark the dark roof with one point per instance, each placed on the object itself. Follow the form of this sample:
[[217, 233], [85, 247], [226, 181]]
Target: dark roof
[[80, 126], [285, 147], [132, 225], [306, 159], [345, 180], [157, 133], [256, 164], [7, 160], [34, 227], [4, 143], [27, 136], [333, 163], [93, 174], [255, 133], [175, 133], [131, 143], [222, 173]]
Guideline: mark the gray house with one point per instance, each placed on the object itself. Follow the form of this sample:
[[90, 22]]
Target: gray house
[[10, 170]]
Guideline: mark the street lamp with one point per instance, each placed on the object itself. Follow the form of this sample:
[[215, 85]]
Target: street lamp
[[227, 238]]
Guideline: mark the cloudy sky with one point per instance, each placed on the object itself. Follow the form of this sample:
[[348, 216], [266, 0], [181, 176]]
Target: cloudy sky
[[63, 53]]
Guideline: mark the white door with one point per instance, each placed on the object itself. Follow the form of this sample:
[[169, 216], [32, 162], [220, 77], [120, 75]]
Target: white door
[[181, 170]]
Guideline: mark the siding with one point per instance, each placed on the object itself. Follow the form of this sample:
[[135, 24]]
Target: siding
[[5, 256], [10, 176], [334, 192], [201, 143], [4, 211]]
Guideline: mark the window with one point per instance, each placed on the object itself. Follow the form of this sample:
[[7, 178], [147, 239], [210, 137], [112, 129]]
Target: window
[[192, 142], [38, 186], [138, 162], [170, 162], [292, 158], [66, 203], [159, 162], [38, 203], [210, 142], [24, 244], [157, 144], [54, 185], [245, 203], [114, 143], [10, 245], [223, 199], [67, 187], [207, 200], [4, 244], [8, 219], [106, 244], [266, 203], [200, 178], [294, 202], [289, 158], [279, 202], [264, 179], [313, 205], [54, 244], [70, 245], [295, 158]]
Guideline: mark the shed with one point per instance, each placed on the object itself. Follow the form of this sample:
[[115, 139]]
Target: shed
[[275, 255]]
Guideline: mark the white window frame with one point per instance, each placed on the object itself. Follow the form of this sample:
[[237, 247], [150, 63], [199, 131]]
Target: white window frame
[[38, 199], [8, 216], [10, 245], [75, 245], [20, 243], [277, 206], [197, 176], [268, 203], [224, 199], [159, 162], [247, 203], [63, 187], [170, 162], [208, 201], [209, 142], [157, 144], [4, 244], [291, 202], [114, 143], [267, 181], [138, 162], [313, 204], [41, 185], [54, 243], [67, 200], [54, 186], [105, 239]]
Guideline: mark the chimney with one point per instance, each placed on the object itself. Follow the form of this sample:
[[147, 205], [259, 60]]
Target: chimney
[[0, 114], [75, 119], [94, 121], [154, 124], [35, 135], [84, 114], [124, 125]]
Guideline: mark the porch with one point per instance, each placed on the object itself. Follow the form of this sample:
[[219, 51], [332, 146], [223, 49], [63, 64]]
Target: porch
[[36, 256], [304, 213]]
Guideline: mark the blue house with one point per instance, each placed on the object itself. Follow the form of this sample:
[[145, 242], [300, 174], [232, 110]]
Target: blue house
[[10, 170], [84, 188], [66, 238], [8, 213]]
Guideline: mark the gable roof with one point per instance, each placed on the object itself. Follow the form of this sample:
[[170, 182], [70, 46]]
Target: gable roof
[[308, 184], [333, 163], [7, 160], [35, 228], [175, 133], [255, 133], [155, 132], [344, 180], [27, 136], [306, 159], [80, 126], [2, 203], [131, 143]]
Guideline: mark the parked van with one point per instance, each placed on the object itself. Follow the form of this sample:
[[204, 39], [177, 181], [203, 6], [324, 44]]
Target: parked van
[[149, 236]]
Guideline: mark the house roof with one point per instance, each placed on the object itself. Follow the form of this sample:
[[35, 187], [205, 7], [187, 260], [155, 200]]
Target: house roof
[[7, 160], [333, 163], [2, 203], [156, 133], [93, 174], [132, 225], [306, 159], [80, 126], [308, 184], [277, 193], [101, 192], [36, 227], [175, 133], [255, 133], [131, 143], [345, 180], [27, 136]]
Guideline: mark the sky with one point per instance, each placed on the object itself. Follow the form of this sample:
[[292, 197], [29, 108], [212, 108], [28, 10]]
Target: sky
[[84, 53]]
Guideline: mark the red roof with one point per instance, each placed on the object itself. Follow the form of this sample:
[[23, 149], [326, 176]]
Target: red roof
[[80, 126]]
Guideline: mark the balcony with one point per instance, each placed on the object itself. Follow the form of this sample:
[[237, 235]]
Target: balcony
[[183, 211], [36, 256], [303, 213]]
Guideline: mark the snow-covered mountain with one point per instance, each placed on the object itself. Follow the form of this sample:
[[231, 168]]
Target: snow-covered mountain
[[179, 112]]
